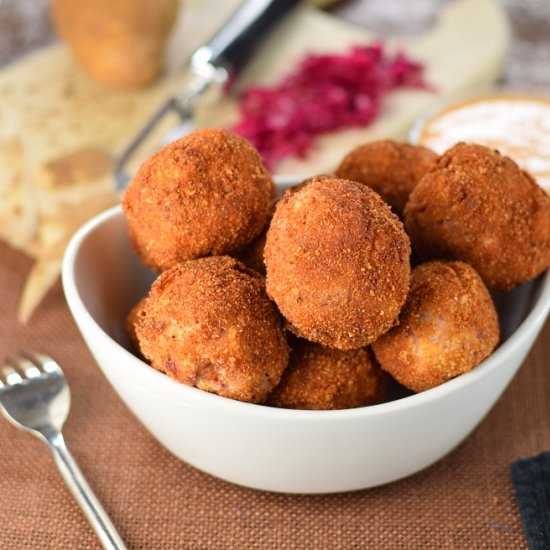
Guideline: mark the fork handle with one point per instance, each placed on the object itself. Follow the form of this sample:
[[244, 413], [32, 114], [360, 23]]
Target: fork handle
[[94, 512]]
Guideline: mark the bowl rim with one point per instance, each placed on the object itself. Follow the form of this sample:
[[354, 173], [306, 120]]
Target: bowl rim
[[176, 391]]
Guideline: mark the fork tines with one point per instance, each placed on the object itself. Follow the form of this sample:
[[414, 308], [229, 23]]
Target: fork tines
[[26, 365]]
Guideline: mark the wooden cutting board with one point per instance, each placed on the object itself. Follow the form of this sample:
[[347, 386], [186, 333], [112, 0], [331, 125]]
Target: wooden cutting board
[[60, 131]]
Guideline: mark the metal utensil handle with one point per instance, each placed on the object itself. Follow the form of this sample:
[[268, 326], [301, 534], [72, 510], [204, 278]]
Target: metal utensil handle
[[98, 518], [234, 42]]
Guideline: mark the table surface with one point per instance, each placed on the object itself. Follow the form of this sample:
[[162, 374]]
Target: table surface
[[464, 501]]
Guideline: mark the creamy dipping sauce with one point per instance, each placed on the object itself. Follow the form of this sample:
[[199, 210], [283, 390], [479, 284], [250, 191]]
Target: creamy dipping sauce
[[517, 125]]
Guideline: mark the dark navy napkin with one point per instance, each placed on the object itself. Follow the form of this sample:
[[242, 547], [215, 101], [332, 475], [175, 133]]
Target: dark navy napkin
[[531, 480]]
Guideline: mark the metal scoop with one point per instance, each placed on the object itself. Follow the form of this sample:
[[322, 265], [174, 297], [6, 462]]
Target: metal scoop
[[215, 63]]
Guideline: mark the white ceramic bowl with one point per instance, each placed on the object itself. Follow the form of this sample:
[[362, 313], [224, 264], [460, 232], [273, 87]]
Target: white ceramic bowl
[[276, 449]]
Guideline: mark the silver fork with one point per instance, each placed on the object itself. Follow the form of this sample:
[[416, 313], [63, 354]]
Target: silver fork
[[34, 396]]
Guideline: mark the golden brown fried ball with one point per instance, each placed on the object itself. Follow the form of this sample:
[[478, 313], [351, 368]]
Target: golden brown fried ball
[[321, 378], [132, 320], [389, 167], [205, 194], [208, 323], [477, 206], [337, 263], [447, 326], [253, 255]]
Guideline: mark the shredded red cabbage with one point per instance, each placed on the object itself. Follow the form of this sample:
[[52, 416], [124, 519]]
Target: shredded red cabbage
[[327, 92]]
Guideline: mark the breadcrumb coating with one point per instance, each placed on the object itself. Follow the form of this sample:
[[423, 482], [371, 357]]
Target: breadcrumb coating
[[253, 255], [131, 321], [478, 206], [207, 193], [320, 378], [389, 167], [448, 325], [337, 262], [208, 323]]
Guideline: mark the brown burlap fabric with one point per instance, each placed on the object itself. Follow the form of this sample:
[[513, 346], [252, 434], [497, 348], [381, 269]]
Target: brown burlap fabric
[[465, 501]]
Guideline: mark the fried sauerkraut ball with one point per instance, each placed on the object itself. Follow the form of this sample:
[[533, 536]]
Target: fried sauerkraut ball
[[208, 323], [389, 167], [253, 255], [207, 193], [131, 321], [337, 262], [448, 325], [477, 206], [322, 378]]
